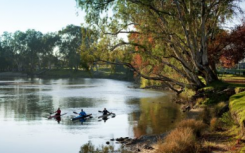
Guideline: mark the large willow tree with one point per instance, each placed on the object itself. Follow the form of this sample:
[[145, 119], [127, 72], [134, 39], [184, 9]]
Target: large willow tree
[[168, 37]]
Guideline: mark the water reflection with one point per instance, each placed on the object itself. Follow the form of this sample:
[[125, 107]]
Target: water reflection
[[25, 105], [155, 116], [58, 119]]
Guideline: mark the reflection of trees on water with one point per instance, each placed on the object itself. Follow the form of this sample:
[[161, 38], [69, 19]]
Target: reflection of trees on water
[[24, 103], [90, 148], [156, 116], [77, 102]]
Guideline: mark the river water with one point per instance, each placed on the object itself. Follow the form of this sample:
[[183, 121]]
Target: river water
[[26, 103]]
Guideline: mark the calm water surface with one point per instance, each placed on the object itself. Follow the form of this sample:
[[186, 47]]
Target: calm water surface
[[25, 105]]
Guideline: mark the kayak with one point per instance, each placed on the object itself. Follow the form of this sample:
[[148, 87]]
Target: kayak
[[55, 116], [81, 117], [104, 116]]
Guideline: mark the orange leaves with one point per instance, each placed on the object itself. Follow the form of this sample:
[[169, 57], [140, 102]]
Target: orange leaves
[[137, 61]]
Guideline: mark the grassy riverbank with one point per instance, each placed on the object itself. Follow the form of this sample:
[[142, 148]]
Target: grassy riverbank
[[219, 127]]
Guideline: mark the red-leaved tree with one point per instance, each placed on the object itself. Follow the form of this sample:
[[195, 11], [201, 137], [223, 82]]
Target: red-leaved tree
[[228, 48]]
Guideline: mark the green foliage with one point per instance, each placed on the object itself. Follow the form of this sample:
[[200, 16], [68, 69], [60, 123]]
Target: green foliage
[[226, 119], [166, 35], [32, 51], [71, 40]]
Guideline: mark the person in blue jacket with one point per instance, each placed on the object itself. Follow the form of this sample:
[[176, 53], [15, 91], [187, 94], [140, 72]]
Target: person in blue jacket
[[82, 113]]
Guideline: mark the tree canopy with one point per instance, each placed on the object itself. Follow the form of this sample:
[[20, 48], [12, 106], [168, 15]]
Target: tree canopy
[[32, 50], [170, 37]]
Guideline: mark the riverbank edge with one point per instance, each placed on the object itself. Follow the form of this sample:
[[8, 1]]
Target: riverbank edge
[[150, 143], [217, 136], [70, 74]]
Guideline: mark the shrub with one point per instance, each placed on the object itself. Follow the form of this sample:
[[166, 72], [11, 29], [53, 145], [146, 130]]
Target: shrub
[[196, 126], [180, 140], [226, 119]]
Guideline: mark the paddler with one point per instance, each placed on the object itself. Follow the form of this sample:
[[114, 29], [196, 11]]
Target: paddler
[[58, 112], [105, 112], [82, 113]]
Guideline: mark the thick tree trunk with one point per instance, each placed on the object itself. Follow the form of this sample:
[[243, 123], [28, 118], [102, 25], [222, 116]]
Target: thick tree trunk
[[210, 76]]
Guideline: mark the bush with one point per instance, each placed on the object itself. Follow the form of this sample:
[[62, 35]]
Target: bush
[[226, 119], [196, 126], [180, 140]]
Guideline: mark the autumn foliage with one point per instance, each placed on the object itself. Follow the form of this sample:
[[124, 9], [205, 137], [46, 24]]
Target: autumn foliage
[[228, 48]]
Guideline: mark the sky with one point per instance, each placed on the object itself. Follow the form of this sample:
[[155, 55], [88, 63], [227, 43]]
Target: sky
[[45, 15], [41, 15]]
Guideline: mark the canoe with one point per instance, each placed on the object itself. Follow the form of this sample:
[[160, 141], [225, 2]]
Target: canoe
[[104, 116], [55, 116], [81, 117]]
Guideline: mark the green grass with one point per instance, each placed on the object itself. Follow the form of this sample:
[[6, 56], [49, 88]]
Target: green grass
[[237, 106], [231, 77]]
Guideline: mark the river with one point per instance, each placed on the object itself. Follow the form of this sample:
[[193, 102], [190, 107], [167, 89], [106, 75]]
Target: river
[[25, 104]]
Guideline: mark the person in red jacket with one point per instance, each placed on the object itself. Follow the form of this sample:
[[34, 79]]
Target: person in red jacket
[[58, 112]]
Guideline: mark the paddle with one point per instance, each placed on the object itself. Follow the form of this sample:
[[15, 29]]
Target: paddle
[[88, 115], [108, 112], [51, 114], [49, 117]]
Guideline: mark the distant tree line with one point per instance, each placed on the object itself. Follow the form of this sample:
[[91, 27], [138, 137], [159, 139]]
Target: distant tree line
[[31, 51]]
